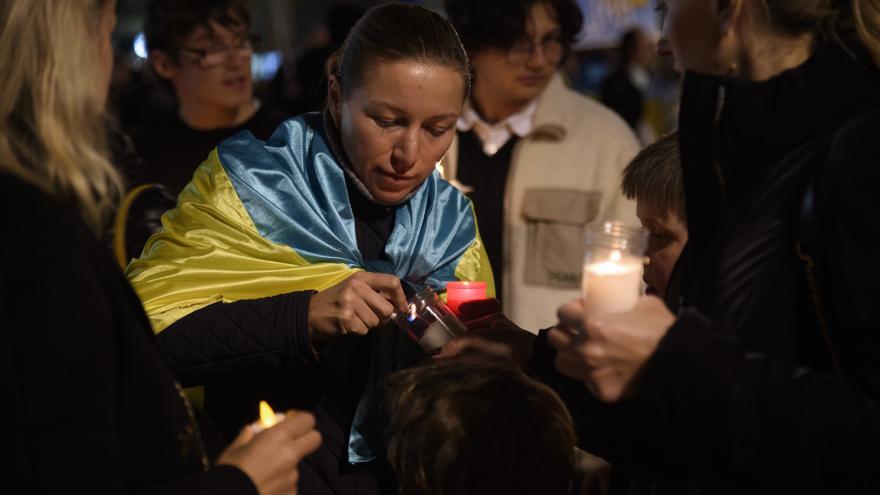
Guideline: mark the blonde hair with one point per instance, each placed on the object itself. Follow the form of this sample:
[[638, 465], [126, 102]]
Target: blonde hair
[[52, 128], [867, 18]]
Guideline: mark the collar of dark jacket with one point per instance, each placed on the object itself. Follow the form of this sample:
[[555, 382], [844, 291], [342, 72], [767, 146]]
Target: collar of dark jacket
[[733, 132]]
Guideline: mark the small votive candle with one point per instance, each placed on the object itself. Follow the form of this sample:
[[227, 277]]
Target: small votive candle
[[429, 322], [613, 266], [462, 292], [268, 418]]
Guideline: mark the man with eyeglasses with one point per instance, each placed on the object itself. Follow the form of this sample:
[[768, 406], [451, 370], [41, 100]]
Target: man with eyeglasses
[[202, 49], [538, 160]]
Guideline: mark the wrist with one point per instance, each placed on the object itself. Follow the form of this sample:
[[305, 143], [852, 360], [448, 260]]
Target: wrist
[[304, 346]]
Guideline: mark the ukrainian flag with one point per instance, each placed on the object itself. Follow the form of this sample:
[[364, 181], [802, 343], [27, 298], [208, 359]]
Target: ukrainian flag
[[266, 218]]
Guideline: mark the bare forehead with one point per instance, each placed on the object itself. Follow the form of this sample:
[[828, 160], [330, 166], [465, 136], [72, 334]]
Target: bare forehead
[[413, 86], [542, 20]]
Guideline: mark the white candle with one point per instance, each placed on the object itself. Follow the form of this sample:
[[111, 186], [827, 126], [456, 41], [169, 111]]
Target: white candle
[[440, 332], [612, 285]]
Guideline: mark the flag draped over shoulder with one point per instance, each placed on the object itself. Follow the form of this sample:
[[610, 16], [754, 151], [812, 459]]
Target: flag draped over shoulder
[[266, 218]]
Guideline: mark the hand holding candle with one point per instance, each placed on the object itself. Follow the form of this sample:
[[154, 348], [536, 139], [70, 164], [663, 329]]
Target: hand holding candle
[[605, 351], [271, 457]]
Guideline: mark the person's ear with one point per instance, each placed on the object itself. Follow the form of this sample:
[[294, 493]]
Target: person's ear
[[162, 64], [334, 98]]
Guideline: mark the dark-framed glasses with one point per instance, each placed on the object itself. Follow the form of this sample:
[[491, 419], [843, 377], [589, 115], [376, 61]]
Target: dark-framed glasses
[[218, 54], [551, 47]]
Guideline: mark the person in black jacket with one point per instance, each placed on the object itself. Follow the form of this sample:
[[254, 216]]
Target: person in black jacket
[[768, 378], [91, 406], [201, 51]]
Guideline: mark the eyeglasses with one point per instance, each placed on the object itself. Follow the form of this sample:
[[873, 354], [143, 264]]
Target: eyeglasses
[[219, 54], [551, 47]]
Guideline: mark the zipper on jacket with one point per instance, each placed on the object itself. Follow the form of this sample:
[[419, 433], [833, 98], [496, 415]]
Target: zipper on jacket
[[720, 101]]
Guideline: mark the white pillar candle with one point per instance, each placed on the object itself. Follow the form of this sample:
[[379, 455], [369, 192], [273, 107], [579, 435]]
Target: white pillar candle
[[612, 285]]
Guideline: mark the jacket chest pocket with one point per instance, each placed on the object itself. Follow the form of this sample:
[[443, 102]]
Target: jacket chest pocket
[[555, 220]]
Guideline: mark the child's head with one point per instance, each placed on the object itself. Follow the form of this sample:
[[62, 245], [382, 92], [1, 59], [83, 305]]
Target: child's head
[[476, 424], [654, 180], [203, 49]]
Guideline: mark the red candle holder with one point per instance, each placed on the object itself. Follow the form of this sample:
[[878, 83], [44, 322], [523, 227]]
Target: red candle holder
[[462, 292]]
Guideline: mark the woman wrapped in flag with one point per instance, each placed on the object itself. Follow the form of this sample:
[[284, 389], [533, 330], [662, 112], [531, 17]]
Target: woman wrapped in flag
[[275, 275]]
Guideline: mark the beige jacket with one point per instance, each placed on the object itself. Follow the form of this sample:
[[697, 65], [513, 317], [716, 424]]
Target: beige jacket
[[564, 175]]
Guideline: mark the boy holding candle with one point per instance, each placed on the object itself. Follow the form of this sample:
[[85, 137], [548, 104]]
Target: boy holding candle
[[653, 180]]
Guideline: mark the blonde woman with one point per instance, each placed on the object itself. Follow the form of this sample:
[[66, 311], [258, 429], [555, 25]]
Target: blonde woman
[[93, 409]]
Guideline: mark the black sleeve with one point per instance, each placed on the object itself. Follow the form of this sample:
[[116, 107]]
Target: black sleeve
[[62, 380], [747, 417], [605, 430], [63, 389], [219, 480], [587, 412], [223, 338], [594, 421]]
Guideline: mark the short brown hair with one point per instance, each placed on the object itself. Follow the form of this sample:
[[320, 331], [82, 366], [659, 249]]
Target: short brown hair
[[169, 22], [501, 23], [476, 424], [654, 176]]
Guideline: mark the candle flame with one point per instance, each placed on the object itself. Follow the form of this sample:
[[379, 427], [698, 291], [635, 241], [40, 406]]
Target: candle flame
[[615, 255], [267, 415]]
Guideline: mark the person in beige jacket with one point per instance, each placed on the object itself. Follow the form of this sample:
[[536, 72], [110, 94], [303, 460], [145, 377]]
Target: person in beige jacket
[[539, 160]]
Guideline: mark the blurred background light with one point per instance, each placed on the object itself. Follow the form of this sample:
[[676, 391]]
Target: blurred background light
[[264, 65], [140, 45]]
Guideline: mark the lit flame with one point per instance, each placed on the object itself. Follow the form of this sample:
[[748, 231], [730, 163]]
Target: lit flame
[[615, 255], [267, 415]]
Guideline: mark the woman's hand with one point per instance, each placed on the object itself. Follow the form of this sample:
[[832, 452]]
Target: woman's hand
[[270, 458], [606, 351], [361, 302]]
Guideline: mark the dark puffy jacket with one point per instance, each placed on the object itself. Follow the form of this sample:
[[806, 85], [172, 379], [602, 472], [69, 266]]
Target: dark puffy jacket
[[748, 392]]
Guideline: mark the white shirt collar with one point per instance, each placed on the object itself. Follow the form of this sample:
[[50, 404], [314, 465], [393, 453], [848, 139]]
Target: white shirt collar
[[495, 136]]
